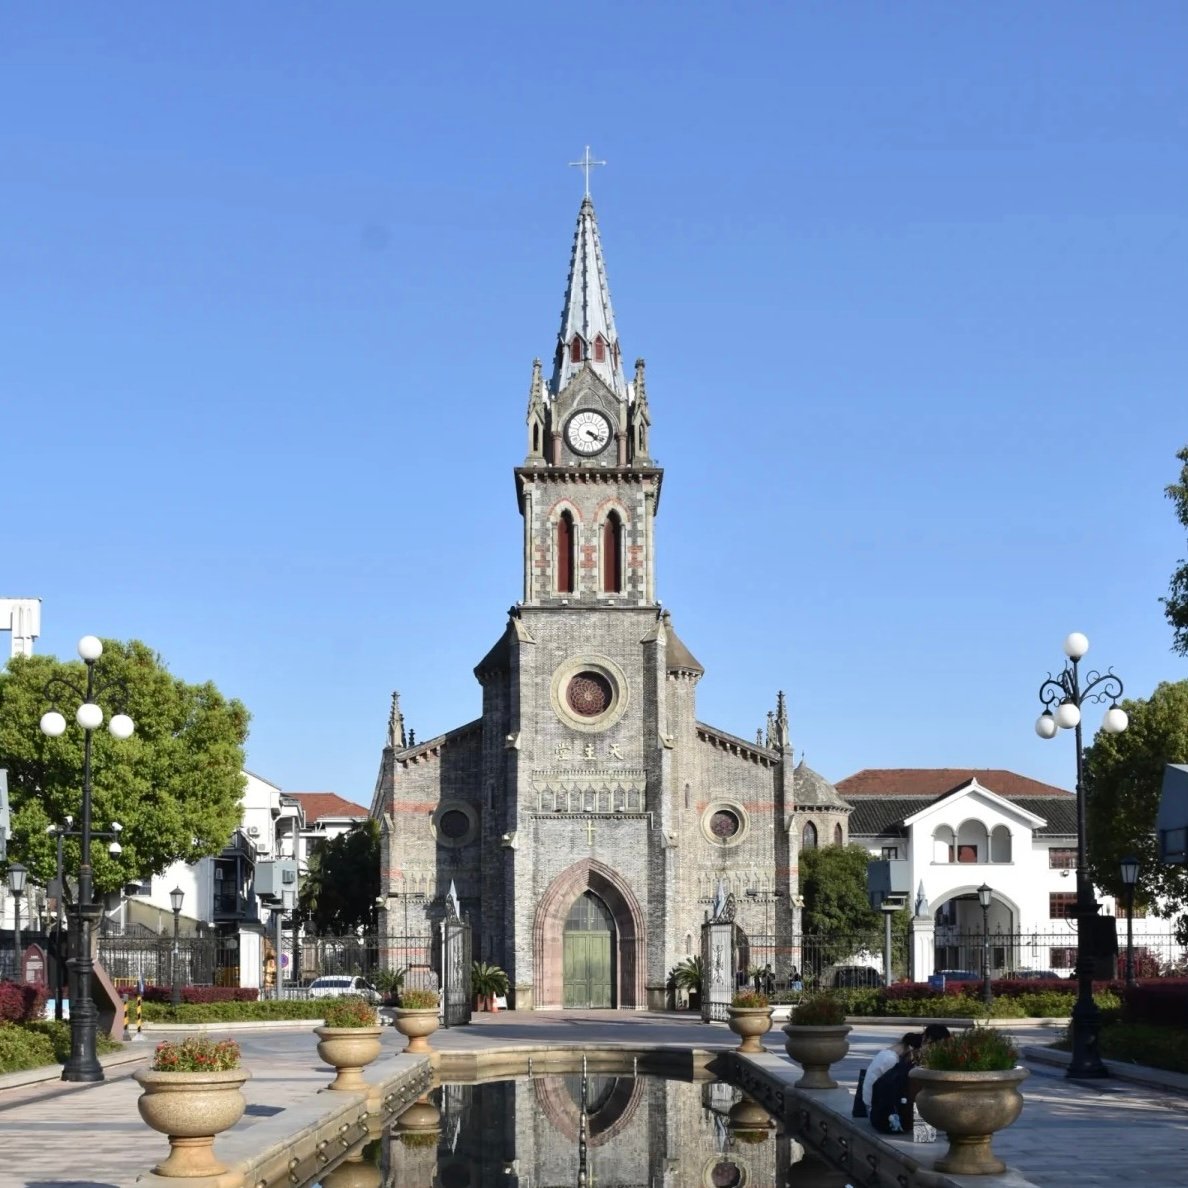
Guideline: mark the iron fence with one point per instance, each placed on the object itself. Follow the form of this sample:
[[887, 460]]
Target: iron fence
[[814, 962], [1031, 954], [197, 960]]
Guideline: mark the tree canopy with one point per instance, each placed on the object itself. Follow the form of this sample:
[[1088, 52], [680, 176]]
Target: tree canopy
[[339, 891], [175, 786], [1175, 605], [1123, 779], [836, 906]]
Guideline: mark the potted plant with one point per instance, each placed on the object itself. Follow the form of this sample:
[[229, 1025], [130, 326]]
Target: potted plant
[[967, 1086], [416, 1018], [349, 1039], [815, 1037], [749, 1016], [487, 982], [192, 1093], [388, 983], [687, 977]]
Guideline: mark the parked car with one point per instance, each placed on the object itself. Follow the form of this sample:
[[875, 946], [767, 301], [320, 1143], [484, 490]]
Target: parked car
[[1037, 974], [334, 985], [956, 975], [856, 977]]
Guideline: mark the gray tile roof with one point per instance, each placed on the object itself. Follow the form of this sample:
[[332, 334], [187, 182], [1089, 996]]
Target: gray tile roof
[[883, 816], [811, 789]]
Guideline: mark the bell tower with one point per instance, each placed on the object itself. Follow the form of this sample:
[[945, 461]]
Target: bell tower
[[588, 490]]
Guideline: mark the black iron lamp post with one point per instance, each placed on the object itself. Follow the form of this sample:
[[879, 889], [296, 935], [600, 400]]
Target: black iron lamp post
[[175, 898], [1130, 869], [17, 874], [985, 897], [83, 1063], [1062, 697]]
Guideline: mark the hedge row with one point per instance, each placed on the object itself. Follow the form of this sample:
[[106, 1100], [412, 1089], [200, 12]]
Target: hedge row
[[234, 1012], [203, 994], [20, 1002], [35, 1045], [1163, 1003]]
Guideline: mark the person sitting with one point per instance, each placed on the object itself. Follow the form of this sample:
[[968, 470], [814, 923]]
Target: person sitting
[[794, 980], [884, 1062]]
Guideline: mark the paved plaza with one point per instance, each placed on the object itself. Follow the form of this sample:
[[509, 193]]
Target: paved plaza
[[1109, 1132]]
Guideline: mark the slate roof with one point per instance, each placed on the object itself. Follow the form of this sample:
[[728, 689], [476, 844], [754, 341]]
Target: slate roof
[[932, 782], [883, 816], [812, 790], [677, 657], [317, 805]]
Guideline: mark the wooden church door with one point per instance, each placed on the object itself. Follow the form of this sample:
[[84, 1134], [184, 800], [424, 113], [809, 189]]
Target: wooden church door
[[589, 966]]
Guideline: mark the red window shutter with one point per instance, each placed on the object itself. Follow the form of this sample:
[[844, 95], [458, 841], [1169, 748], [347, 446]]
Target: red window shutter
[[575, 350], [565, 553], [612, 554], [599, 349]]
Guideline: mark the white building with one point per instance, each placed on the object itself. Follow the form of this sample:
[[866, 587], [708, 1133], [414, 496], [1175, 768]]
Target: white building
[[959, 829]]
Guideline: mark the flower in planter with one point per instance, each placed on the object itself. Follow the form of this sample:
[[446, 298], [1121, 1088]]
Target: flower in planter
[[418, 1000], [749, 998], [196, 1053], [822, 1010], [977, 1049], [351, 1011]]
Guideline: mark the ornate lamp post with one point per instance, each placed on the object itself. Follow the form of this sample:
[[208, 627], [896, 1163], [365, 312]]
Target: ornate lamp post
[[175, 898], [1130, 869], [16, 884], [83, 1064], [985, 897], [1066, 694]]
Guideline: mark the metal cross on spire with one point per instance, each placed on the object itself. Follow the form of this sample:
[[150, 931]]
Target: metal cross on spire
[[587, 164]]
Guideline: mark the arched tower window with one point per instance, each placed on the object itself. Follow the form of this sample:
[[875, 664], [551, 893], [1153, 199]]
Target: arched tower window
[[808, 838], [536, 439], [837, 835], [612, 554], [565, 543], [599, 349], [575, 350]]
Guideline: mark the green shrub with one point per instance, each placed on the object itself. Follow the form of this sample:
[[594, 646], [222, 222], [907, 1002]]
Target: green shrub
[[418, 1000], [196, 1053], [351, 1011], [1151, 1044], [976, 1049], [822, 1010], [749, 999], [22, 1048], [232, 1012], [388, 981]]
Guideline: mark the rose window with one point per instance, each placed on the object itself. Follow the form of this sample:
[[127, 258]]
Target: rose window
[[589, 694], [724, 824], [454, 824]]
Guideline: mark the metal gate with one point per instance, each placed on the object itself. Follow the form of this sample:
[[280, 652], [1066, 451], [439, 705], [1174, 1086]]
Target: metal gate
[[718, 959], [455, 965]]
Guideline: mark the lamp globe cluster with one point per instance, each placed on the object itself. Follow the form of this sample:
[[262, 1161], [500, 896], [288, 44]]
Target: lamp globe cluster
[[1068, 713]]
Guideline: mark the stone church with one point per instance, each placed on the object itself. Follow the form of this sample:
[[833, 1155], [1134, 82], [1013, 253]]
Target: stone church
[[587, 816]]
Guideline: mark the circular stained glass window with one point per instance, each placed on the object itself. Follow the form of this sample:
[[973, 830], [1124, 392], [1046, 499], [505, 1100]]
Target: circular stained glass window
[[454, 824], [589, 694], [726, 1175], [724, 824]]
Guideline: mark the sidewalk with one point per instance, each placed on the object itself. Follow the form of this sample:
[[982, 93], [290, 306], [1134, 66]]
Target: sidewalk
[[1070, 1134]]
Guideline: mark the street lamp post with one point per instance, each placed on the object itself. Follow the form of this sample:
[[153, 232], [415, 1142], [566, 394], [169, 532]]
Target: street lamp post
[[176, 896], [985, 896], [1130, 869], [60, 832], [1066, 694], [16, 884], [83, 1063]]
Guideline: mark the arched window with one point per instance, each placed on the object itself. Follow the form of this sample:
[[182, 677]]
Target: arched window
[[536, 439], [943, 844], [973, 842], [808, 838], [565, 542], [837, 835], [575, 350], [1000, 844], [612, 554], [599, 349]]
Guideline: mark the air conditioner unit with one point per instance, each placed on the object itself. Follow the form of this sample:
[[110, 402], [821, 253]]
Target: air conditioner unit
[[253, 831]]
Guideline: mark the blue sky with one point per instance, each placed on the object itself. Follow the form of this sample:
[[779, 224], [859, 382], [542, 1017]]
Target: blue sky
[[911, 281]]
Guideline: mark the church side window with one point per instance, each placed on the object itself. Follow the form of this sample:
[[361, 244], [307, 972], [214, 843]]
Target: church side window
[[599, 349], [565, 543], [575, 350], [808, 838], [837, 835], [612, 554]]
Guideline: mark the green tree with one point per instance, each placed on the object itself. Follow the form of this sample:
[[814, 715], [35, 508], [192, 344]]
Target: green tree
[[1123, 778], [175, 785], [339, 891], [837, 908], [1175, 605]]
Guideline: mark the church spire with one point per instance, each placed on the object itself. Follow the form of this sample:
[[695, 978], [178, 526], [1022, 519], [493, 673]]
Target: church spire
[[588, 336]]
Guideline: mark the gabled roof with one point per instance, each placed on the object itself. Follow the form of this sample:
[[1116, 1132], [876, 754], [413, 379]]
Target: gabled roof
[[884, 816], [1013, 807], [931, 782], [319, 805]]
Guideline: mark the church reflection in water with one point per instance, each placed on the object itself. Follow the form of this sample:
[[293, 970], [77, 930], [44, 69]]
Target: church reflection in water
[[633, 1132]]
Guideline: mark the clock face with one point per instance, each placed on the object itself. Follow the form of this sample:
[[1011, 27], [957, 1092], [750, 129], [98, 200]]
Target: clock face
[[587, 432]]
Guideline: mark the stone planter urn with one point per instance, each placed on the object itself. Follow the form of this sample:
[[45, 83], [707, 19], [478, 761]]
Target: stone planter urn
[[191, 1108], [749, 1024], [416, 1024], [421, 1115], [349, 1050], [969, 1107], [815, 1047]]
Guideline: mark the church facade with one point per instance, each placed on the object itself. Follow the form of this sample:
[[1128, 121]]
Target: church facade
[[587, 815]]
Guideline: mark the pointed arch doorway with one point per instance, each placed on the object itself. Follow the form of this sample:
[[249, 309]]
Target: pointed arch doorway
[[592, 904], [588, 954]]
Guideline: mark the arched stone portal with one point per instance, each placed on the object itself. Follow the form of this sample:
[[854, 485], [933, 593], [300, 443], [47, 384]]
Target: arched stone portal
[[548, 970]]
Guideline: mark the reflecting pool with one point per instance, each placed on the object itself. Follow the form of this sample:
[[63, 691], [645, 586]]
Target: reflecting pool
[[596, 1129]]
